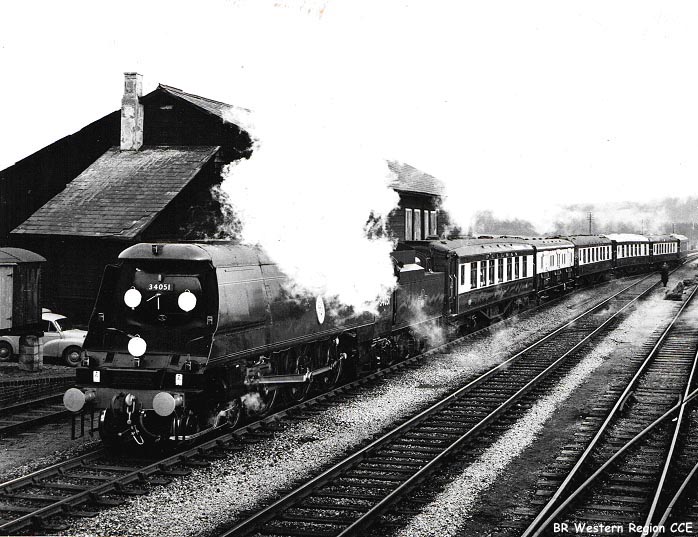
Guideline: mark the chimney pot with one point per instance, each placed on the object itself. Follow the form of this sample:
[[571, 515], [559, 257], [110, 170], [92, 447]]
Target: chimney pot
[[132, 113]]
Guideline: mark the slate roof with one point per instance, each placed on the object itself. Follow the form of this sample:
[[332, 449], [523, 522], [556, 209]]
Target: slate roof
[[410, 179], [120, 194], [222, 110]]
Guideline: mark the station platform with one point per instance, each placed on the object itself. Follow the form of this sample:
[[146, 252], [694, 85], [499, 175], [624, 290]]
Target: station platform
[[17, 385]]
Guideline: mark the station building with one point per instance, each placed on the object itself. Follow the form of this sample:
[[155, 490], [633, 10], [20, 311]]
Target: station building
[[147, 172]]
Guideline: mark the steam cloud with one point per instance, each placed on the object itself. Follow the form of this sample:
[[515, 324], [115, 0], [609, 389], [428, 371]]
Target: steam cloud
[[318, 221]]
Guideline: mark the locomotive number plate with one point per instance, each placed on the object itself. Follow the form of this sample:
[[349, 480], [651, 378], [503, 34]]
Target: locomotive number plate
[[160, 287]]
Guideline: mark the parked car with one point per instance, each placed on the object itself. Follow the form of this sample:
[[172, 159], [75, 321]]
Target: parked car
[[60, 340]]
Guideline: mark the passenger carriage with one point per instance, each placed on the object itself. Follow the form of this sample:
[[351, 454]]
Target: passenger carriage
[[663, 249], [631, 253], [593, 257], [554, 263], [682, 248], [486, 278]]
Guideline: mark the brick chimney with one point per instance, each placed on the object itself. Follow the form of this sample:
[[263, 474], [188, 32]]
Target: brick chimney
[[132, 113]]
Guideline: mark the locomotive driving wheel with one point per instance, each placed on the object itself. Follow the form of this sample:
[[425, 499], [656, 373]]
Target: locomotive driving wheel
[[328, 356], [298, 361]]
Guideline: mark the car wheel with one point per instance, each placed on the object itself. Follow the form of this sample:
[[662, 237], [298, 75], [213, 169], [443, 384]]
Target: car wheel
[[71, 356], [5, 351]]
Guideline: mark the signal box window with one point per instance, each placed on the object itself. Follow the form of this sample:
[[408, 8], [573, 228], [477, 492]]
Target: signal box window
[[408, 225], [417, 225]]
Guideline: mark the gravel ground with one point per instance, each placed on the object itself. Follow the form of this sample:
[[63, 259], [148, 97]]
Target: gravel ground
[[450, 512], [38, 448], [196, 505]]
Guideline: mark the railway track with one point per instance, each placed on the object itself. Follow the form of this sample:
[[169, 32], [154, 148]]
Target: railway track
[[350, 497], [632, 458], [79, 486], [31, 413]]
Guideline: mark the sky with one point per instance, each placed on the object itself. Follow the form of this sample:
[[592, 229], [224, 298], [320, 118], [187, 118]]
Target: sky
[[519, 107], [499, 99]]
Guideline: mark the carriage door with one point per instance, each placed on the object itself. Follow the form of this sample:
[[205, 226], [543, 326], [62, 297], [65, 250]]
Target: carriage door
[[453, 284]]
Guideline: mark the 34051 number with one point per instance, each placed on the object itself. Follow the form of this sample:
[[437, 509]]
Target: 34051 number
[[160, 287]]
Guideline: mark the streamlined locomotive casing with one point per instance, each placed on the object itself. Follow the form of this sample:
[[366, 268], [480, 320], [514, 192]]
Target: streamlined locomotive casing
[[242, 310]]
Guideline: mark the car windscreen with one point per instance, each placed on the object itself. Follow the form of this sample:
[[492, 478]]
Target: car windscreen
[[64, 323]]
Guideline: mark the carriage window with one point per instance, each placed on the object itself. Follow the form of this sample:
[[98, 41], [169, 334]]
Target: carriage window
[[490, 266], [509, 268], [408, 225], [462, 275], [524, 270], [500, 270], [473, 275], [517, 260]]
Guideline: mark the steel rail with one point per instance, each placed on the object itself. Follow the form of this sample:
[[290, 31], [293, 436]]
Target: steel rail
[[668, 414], [268, 513], [670, 454], [219, 440], [604, 426], [230, 437], [676, 498]]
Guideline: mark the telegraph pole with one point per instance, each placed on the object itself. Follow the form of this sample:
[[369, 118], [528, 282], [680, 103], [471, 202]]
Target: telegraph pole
[[590, 219]]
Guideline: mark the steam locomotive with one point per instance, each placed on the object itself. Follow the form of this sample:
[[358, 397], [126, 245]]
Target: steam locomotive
[[187, 337]]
